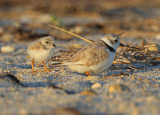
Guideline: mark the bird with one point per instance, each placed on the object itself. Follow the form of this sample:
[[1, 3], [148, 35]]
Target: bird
[[40, 51], [96, 57]]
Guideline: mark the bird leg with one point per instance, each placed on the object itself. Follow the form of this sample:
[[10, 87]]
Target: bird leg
[[87, 73], [45, 67], [33, 66]]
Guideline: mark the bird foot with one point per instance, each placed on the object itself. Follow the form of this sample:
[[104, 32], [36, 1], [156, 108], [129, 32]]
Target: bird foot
[[87, 73]]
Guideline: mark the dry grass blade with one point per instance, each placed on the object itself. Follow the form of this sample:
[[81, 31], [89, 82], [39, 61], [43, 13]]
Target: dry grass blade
[[132, 67], [120, 34], [71, 33]]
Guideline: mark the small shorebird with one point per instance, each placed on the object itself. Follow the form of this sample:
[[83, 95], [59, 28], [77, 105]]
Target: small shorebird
[[41, 50], [95, 57]]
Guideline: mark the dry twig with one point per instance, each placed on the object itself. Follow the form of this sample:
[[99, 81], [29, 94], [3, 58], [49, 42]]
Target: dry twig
[[71, 33]]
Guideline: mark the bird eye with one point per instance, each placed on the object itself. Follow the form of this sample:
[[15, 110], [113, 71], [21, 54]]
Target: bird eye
[[47, 42], [116, 40]]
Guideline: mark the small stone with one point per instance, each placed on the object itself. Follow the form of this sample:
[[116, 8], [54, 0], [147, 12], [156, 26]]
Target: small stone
[[25, 20], [118, 88], [154, 28], [153, 48], [77, 29], [96, 85], [44, 18], [157, 85], [133, 78], [7, 49], [88, 93], [92, 78], [139, 78], [6, 71], [151, 99], [65, 111], [157, 36], [23, 112], [7, 37]]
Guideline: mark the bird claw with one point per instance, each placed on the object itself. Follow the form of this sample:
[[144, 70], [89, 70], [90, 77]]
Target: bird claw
[[87, 73]]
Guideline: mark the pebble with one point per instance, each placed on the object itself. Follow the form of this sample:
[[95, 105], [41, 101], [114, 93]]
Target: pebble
[[96, 85], [77, 29], [133, 78], [7, 49], [118, 88], [92, 78], [25, 20], [65, 111], [44, 18], [157, 36], [23, 112], [153, 48], [151, 99], [7, 37], [88, 93]]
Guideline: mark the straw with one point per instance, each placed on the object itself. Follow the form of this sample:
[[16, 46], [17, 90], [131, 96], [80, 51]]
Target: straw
[[71, 33]]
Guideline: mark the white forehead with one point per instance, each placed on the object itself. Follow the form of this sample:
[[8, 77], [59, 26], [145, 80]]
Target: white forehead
[[48, 38], [111, 36], [109, 39]]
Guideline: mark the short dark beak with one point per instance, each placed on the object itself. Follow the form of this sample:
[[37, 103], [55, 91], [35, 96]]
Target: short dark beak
[[54, 45]]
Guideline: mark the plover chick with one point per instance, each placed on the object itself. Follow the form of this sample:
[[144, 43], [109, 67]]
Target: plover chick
[[41, 50]]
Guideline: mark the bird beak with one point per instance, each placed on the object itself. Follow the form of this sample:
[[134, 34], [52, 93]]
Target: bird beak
[[54, 45]]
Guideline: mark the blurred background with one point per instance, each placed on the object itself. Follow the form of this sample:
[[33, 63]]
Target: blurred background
[[27, 19]]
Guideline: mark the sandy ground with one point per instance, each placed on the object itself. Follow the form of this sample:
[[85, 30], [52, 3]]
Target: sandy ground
[[52, 92]]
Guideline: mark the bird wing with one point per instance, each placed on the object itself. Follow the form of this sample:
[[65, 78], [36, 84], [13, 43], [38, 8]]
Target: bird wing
[[35, 45], [90, 55]]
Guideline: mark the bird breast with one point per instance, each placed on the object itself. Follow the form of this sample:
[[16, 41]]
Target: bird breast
[[40, 55]]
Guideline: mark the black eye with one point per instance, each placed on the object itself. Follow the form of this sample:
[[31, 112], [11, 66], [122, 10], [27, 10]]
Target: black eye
[[47, 42], [116, 40]]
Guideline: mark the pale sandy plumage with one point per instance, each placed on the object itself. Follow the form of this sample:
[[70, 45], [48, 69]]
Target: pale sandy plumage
[[40, 51], [96, 57]]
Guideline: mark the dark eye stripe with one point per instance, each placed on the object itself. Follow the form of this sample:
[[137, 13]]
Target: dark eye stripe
[[116, 40]]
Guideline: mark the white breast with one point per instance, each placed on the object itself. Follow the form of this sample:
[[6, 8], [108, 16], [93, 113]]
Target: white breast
[[40, 55], [100, 67]]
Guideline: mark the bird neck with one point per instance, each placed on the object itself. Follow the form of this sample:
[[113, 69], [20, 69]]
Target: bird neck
[[109, 47]]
